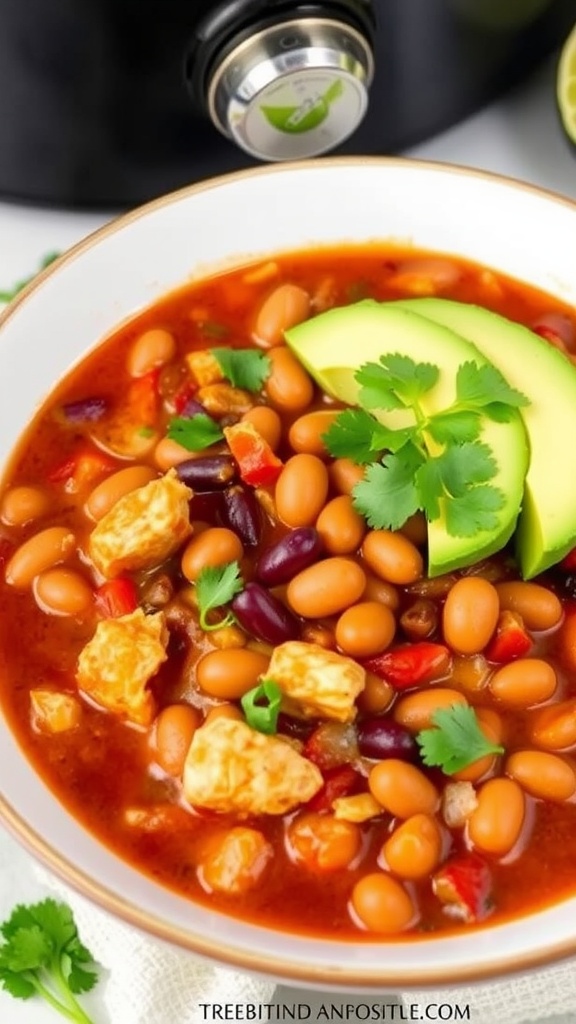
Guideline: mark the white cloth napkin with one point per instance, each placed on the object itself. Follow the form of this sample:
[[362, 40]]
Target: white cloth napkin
[[148, 981], [540, 996]]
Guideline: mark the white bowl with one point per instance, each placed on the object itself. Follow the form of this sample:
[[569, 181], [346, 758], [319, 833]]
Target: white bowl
[[103, 281]]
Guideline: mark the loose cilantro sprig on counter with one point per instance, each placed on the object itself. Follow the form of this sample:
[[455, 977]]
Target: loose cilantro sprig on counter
[[244, 367], [194, 432], [10, 293], [437, 463], [455, 741], [261, 706], [216, 586], [42, 955]]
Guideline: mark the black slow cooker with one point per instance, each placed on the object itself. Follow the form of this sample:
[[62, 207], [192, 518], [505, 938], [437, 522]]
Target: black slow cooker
[[112, 102]]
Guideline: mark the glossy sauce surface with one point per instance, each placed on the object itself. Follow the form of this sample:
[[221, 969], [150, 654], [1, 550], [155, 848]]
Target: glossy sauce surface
[[104, 769]]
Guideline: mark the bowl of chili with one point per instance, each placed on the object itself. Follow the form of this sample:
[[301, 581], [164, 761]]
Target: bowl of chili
[[295, 679]]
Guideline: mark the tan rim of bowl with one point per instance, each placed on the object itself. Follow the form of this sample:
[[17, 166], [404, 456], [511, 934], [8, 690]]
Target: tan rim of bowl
[[279, 967]]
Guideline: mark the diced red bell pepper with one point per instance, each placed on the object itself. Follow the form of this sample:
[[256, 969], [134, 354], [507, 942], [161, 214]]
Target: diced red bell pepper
[[551, 337], [143, 398], [81, 469], [184, 395], [511, 639], [464, 885], [411, 665], [337, 782], [116, 598], [257, 463], [568, 563]]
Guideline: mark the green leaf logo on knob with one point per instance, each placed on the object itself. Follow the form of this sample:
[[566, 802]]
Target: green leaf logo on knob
[[307, 115]]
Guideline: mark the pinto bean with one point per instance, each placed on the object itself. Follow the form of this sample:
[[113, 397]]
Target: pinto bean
[[326, 588], [288, 387], [229, 674], [402, 789], [382, 904], [305, 434], [392, 557], [215, 546], [40, 552], [415, 710], [301, 490], [523, 683], [285, 307], [413, 850], [267, 422], [543, 775], [365, 629], [495, 826], [62, 592], [23, 504], [340, 526], [151, 349], [539, 607], [470, 615], [172, 735], [109, 491]]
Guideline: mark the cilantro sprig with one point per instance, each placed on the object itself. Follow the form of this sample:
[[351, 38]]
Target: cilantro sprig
[[434, 463], [455, 741], [41, 955], [194, 432], [10, 293], [244, 367], [261, 706], [216, 586]]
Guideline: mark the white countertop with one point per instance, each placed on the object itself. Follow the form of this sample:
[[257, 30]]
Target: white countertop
[[519, 136]]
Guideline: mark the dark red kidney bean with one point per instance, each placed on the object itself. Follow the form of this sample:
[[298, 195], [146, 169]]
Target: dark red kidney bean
[[383, 737], [85, 410], [193, 408], [207, 473], [296, 728], [558, 324], [263, 615], [206, 506], [242, 513], [285, 559]]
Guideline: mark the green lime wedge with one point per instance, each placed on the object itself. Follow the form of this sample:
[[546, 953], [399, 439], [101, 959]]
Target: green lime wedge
[[566, 86]]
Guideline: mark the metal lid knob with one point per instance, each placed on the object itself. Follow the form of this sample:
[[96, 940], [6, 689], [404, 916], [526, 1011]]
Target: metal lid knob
[[292, 90]]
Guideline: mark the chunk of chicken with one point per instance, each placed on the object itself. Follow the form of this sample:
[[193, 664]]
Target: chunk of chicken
[[143, 528], [231, 768], [317, 682], [459, 800], [236, 861], [53, 711], [120, 659]]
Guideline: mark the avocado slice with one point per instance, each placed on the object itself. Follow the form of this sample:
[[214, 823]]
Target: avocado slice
[[547, 524], [333, 345]]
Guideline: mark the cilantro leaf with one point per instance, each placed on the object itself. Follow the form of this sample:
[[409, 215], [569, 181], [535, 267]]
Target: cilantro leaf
[[351, 436], [216, 585], [385, 439], [482, 385], [194, 432], [396, 382], [388, 495], [261, 706], [376, 388], [244, 367], [455, 741], [455, 426], [474, 511], [409, 379], [10, 293], [41, 954]]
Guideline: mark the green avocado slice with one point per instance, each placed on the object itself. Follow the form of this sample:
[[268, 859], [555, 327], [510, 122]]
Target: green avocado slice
[[547, 524], [333, 345]]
